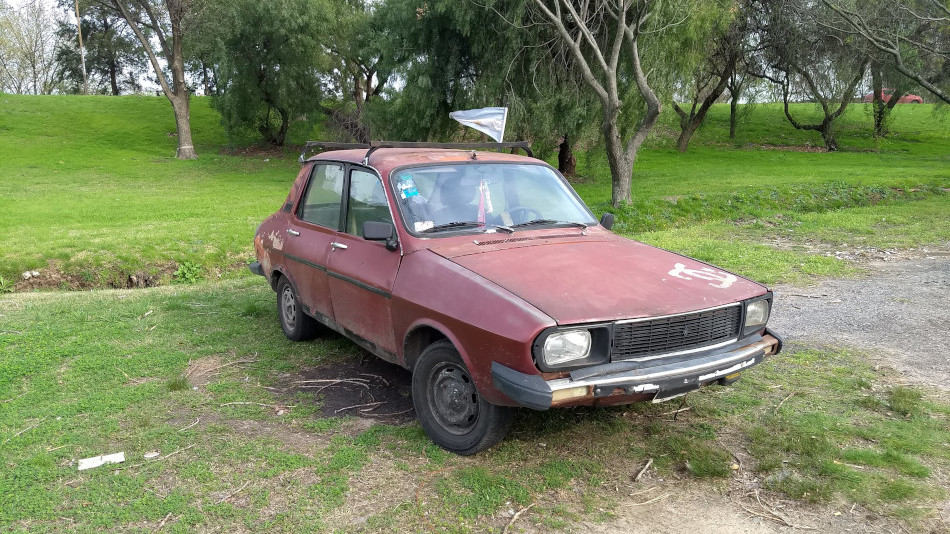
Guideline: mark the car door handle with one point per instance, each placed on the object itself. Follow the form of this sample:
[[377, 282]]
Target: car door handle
[[293, 232], [336, 245]]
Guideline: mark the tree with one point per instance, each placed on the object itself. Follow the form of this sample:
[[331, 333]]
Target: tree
[[167, 21], [270, 64], [604, 40], [915, 34], [457, 55], [711, 78], [738, 85], [114, 57], [805, 59], [884, 76], [27, 49], [356, 58], [598, 36]]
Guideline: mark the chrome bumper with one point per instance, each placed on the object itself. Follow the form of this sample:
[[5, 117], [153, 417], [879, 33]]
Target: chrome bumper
[[665, 381]]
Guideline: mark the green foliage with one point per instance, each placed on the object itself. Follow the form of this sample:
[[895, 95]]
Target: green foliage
[[188, 273], [6, 286], [270, 60], [114, 57]]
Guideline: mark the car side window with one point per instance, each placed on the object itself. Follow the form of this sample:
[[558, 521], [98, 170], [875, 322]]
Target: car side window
[[367, 202], [324, 197]]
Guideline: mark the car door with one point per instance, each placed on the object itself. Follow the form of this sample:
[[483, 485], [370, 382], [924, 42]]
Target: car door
[[313, 227], [362, 273]]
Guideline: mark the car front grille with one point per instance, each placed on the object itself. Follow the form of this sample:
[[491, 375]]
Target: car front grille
[[675, 333]]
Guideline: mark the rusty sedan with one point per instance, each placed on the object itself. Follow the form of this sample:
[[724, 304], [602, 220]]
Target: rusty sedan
[[486, 276]]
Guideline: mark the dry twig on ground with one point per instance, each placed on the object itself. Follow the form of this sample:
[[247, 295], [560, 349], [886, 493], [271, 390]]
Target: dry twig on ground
[[515, 518], [644, 470], [191, 425], [162, 524], [38, 423], [233, 493], [374, 405], [790, 395], [651, 501]]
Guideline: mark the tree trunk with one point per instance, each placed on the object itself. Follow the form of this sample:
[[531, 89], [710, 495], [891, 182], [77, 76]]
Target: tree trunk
[[186, 148], [566, 162], [113, 77], [284, 127], [686, 133], [879, 106], [733, 112], [621, 167], [205, 81], [828, 136]]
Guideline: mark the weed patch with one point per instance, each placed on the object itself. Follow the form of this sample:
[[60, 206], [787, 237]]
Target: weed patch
[[188, 273]]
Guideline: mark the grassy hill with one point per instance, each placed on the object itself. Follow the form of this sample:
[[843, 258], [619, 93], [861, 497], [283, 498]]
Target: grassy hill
[[91, 193]]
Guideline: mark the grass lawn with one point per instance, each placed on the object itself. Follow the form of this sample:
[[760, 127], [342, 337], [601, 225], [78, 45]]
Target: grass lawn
[[200, 373], [90, 373]]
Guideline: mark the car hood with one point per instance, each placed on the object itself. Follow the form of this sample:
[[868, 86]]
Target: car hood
[[600, 278]]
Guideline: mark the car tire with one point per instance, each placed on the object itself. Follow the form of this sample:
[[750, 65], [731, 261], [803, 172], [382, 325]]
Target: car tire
[[297, 325], [449, 407]]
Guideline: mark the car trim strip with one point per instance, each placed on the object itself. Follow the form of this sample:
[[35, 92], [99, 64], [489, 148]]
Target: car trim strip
[[339, 276], [641, 319], [363, 285], [305, 262], [680, 352]]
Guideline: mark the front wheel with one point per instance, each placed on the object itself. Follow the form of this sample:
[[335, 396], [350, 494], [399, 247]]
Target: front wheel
[[449, 407]]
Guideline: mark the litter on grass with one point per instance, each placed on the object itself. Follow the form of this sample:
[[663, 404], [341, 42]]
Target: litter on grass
[[96, 461]]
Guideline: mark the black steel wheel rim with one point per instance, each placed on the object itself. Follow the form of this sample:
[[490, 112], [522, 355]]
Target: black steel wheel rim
[[452, 398]]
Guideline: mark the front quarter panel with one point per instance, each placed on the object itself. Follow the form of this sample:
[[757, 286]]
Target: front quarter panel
[[485, 322]]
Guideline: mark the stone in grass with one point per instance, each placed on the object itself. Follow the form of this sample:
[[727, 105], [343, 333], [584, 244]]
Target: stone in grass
[[30, 274]]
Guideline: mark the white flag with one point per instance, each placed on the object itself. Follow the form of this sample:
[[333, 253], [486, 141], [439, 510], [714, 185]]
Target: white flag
[[487, 120]]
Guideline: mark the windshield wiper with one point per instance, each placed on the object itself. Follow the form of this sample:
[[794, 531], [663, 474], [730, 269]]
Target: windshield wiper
[[537, 222], [456, 225]]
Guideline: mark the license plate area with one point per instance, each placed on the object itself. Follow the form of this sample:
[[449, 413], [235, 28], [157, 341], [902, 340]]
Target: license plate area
[[677, 388]]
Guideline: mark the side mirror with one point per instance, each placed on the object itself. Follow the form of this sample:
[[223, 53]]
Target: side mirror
[[607, 220], [380, 231]]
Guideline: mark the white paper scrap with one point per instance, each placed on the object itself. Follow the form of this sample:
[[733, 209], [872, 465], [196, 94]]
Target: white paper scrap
[[96, 461]]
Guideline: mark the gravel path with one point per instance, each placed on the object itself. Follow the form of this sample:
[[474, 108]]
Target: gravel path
[[899, 313]]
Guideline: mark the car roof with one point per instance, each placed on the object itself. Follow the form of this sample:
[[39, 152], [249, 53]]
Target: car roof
[[386, 159]]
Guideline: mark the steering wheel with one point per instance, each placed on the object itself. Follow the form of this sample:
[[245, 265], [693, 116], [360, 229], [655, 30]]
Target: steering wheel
[[526, 214]]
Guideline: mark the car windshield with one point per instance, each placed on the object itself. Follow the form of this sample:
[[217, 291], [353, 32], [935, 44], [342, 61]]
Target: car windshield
[[480, 197]]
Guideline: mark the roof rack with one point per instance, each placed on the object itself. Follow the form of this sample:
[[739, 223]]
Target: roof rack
[[372, 146]]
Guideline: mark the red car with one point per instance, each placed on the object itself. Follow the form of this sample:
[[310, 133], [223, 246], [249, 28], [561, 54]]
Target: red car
[[485, 275], [886, 95]]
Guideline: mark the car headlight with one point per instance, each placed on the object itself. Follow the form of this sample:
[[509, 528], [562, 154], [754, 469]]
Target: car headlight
[[756, 314], [562, 347]]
